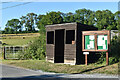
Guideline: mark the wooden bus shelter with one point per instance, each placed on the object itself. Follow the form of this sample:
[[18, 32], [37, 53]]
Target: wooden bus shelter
[[64, 43]]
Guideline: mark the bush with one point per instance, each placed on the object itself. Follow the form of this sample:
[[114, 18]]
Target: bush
[[37, 48], [20, 55], [114, 55], [113, 60], [102, 59], [115, 47]]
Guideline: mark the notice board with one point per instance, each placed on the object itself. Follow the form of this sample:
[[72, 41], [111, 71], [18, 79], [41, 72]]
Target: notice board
[[95, 40]]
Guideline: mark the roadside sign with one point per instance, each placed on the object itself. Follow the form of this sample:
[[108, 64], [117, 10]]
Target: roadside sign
[[85, 52]]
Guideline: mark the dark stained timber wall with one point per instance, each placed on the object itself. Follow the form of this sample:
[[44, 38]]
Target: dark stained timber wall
[[65, 43]]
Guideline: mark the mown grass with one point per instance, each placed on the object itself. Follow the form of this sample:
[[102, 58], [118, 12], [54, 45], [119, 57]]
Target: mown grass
[[18, 41], [4, 36], [64, 68]]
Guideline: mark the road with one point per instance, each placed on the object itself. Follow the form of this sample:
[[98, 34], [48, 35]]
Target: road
[[8, 72]]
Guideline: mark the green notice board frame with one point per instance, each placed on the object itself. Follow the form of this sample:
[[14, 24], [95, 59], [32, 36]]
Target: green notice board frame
[[95, 41]]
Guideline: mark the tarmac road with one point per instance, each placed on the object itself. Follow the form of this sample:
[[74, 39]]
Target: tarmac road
[[8, 72]]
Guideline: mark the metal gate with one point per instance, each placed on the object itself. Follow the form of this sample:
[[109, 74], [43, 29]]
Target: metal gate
[[13, 52]]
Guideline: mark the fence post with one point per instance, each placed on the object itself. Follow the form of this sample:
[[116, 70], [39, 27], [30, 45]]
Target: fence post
[[4, 53], [13, 51]]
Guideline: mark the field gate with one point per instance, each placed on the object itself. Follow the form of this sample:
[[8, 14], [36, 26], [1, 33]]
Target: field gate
[[13, 52]]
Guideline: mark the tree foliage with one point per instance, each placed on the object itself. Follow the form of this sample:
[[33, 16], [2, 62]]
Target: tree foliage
[[29, 21], [105, 20], [37, 48], [68, 17], [117, 18], [49, 18], [13, 25], [102, 19]]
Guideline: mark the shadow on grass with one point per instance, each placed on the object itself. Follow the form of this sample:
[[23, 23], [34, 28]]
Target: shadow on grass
[[89, 70]]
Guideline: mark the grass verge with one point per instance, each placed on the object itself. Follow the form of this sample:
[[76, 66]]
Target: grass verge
[[64, 68]]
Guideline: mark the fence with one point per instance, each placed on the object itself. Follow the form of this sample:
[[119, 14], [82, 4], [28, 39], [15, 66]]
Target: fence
[[13, 52]]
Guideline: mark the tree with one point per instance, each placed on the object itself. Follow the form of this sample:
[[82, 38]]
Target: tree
[[13, 25], [29, 21], [40, 23], [79, 15], [85, 16], [68, 17], [53, 18], [49, 18], [8, 30], [117, 18], [105, 20], [90, 18]]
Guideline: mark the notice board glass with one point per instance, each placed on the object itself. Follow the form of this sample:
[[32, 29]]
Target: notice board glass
[[102, 42], [89, 42]]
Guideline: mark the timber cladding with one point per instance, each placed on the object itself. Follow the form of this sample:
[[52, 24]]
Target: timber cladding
[[64, 42]]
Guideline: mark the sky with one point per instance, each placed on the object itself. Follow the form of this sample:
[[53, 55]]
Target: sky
[[9, 12]]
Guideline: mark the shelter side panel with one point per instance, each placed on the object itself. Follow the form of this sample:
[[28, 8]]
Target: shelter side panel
[[70, 54], [50, 53]]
